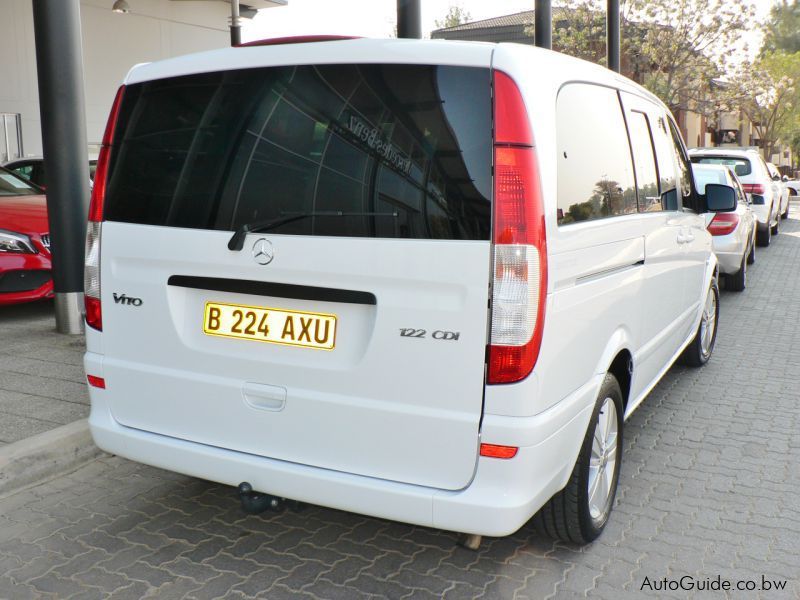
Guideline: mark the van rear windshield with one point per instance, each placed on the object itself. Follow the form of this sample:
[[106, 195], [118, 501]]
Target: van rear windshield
[[390, 151]]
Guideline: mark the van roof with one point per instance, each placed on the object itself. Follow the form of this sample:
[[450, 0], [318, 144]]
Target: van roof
[[371, 50]]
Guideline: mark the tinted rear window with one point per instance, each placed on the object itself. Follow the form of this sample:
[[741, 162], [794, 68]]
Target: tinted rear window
[[402, 151], [740, 166]]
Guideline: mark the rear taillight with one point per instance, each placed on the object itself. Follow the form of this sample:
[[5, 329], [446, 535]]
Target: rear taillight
[[91, 273], [91, 277], [519, 286], [723, 223], [754, 188]]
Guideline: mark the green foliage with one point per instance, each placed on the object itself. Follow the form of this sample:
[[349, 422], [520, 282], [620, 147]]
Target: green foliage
[[765, 90], [782, 30], [455, 16], [673, 47]]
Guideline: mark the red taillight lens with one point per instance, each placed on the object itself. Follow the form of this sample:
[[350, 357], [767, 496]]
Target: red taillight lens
[[511, 124], [519, 286], [495, 451], [101, 172], [723, 223], [97, 382], [94, 312], [754, 188]]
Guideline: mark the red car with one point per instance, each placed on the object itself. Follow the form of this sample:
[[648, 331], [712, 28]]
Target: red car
[[25, 269]]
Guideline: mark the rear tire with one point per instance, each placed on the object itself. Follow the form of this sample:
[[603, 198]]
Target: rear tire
[[776, 229], [738, 281], [751, 257], [764, 238], [785, 215], [579, 513], [699, 351]]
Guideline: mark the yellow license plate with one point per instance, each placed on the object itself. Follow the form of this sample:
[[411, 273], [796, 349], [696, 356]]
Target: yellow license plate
[[273, 325]]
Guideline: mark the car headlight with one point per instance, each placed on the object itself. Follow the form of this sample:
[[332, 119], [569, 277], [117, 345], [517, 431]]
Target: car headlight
[[16, 243]]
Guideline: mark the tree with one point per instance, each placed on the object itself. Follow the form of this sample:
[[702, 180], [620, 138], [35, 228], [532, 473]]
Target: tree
[[765, 91], [674, 47], [688, 43], [455, 16], [782, 30]]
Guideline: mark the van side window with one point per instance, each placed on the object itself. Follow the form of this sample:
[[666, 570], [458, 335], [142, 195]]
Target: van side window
[[644, 162], [595, 175], [682, 160], [665, 153]]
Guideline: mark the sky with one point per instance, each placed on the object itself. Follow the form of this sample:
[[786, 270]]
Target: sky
[[376, 18]]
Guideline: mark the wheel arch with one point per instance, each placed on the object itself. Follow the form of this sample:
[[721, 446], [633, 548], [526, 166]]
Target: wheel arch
[[617, 359]]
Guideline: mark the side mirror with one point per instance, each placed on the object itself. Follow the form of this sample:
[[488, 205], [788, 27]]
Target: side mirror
[[720, 198], [786, 178], [776, 178]]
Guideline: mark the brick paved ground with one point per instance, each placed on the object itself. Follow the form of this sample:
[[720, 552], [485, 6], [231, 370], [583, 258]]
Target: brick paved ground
[[710, 486], [41, 377]]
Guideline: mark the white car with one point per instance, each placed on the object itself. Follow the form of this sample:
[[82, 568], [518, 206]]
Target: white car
[[419, 280], [793, 185], [766, 199], [734, 233], [782, 188]]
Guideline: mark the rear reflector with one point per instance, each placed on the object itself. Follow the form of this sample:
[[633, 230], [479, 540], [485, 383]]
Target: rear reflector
[[519, 286], [723, 223], [754, 188], [97, 382], [495, 451]]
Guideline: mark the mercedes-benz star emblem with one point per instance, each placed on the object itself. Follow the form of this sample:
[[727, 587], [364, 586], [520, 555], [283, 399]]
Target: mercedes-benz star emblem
[[263, 253]]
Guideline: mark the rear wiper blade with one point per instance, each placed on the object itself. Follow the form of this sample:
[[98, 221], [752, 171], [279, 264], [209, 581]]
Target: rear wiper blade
[[236, 242]]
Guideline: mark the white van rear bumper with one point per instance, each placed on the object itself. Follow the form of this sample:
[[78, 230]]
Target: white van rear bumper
[[502, 497]]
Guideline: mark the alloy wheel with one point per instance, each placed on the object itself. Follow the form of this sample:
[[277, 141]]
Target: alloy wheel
[[603, 460]]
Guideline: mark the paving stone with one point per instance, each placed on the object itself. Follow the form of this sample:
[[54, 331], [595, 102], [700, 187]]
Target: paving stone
[[710, 485]]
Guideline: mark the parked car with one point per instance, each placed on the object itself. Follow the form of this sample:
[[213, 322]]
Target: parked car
[[793, 185], [25, 271], [32, 169], [752, 171], [304, 311], [782, 188], [734, 233]]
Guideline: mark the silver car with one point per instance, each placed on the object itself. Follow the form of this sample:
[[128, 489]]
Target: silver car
[[733, 233]]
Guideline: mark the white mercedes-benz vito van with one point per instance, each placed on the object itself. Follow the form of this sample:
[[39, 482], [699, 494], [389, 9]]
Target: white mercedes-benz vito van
[[420, 280]]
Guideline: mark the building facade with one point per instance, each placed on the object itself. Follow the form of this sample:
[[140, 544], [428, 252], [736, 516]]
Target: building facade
[[112, 43]]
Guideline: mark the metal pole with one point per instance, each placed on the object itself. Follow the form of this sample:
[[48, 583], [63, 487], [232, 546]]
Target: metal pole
[[612, 29], [409, 19], [57, 29], [543, 24], [236, 28], [20, 149]]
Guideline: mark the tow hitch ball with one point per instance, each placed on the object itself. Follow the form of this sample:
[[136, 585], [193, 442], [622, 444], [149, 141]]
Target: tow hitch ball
[[254, 503]]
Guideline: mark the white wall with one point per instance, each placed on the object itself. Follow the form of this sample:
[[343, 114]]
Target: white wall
[[112, 43]]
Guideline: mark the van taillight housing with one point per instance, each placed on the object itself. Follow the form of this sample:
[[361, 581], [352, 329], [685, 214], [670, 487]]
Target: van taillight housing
[[519, 285], [91, 272]]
